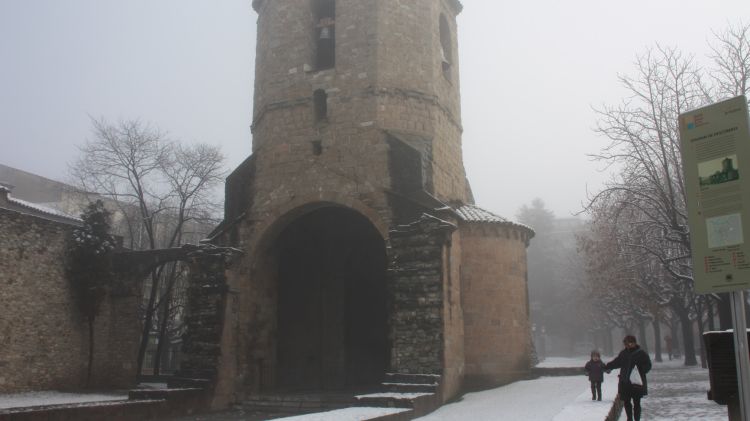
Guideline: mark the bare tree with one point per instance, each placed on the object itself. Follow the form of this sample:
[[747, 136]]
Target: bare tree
[[162, 190], [648, 196], [731, 58]]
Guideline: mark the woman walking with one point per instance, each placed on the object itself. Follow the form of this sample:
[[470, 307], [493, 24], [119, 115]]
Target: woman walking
[[633, 363]]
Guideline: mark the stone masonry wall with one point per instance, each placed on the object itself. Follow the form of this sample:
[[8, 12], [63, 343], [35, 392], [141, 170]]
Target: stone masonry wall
[[495, 303], [204, 321], [416, 284], [43, 338]]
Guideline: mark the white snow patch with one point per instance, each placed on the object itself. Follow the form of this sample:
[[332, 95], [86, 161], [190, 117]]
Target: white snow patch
[[348, 414], [20, 400]]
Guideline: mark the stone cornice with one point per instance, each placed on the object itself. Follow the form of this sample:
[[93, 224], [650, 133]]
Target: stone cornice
[[368, 92], [455, 4]]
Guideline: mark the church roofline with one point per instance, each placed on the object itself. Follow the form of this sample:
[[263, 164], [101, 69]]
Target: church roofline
[[474, 214]]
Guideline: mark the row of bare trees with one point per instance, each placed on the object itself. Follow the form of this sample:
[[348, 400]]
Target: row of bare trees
[[162, 193], [637, 248]]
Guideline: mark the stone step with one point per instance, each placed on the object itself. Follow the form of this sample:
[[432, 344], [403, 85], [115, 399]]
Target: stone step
[[291, 404], [411, 387], [188, 383], [419, 403], [392, 399], [166, 394], [412, 378]]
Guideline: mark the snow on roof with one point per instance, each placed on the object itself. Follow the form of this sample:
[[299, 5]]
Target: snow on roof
[[473, 213], [37, 208]]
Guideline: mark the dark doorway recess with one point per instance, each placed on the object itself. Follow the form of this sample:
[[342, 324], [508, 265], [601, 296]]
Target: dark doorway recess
[[332, 317]]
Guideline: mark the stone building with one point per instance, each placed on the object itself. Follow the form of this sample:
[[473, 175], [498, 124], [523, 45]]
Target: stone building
[[364, 252]]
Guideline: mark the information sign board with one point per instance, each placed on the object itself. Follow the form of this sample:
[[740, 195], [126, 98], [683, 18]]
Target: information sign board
[[715, 142]]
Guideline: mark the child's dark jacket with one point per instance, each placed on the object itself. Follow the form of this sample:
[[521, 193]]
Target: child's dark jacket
[[595, 370]]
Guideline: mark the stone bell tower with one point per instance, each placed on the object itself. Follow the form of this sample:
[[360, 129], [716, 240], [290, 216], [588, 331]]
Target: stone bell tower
[[362, 243], [332, 76]]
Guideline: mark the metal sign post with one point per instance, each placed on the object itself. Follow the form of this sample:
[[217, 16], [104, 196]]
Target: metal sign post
[[741, 354]]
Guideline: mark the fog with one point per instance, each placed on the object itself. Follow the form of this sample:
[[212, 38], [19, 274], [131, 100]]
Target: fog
[[530, 74]]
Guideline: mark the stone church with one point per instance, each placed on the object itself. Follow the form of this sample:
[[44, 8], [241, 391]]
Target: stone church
[[364, 252]]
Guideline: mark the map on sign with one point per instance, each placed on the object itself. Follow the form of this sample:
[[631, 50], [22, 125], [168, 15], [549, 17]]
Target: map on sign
[[724, 230]]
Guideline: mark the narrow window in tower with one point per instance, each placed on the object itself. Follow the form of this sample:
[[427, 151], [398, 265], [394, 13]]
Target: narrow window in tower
[[446, 52], [320, 104], [317, 147], [325, 33]]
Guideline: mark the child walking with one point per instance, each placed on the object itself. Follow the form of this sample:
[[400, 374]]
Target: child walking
[[595, 370]]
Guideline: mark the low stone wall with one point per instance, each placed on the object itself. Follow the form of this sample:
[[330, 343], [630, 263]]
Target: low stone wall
[[43, 338], [142, 405]]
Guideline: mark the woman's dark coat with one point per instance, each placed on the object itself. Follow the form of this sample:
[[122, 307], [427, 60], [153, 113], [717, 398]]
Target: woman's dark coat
[[625, 361]]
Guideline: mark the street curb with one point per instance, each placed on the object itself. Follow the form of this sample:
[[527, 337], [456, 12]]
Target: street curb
[[615, 411]]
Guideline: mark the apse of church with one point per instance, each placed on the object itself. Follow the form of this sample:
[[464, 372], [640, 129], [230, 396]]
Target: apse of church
[[364, 253]]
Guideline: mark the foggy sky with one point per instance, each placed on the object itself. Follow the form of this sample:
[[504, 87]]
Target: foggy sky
[[530, 73]]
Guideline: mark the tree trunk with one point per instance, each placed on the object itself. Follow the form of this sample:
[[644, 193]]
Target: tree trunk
[[148, 321], [710, 313], [673, 328], [608, 342], [163, 336], [702, 345], [687, 338], [657, 340], [642, 333], [91, 351]]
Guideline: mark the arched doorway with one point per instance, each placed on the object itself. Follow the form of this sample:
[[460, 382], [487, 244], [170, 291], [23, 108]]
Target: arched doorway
[[332, 315]]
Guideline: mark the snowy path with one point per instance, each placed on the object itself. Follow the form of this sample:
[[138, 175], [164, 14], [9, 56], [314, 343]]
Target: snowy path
[[545, 399]]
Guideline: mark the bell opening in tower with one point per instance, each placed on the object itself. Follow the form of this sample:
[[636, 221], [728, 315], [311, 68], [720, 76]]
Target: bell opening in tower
[[446, 52], [324, 12]]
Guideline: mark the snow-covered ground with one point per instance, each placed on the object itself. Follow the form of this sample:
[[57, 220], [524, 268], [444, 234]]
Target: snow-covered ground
[[675, 393], [551, 362], [548, 398], [17, 400], [347, 414]]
